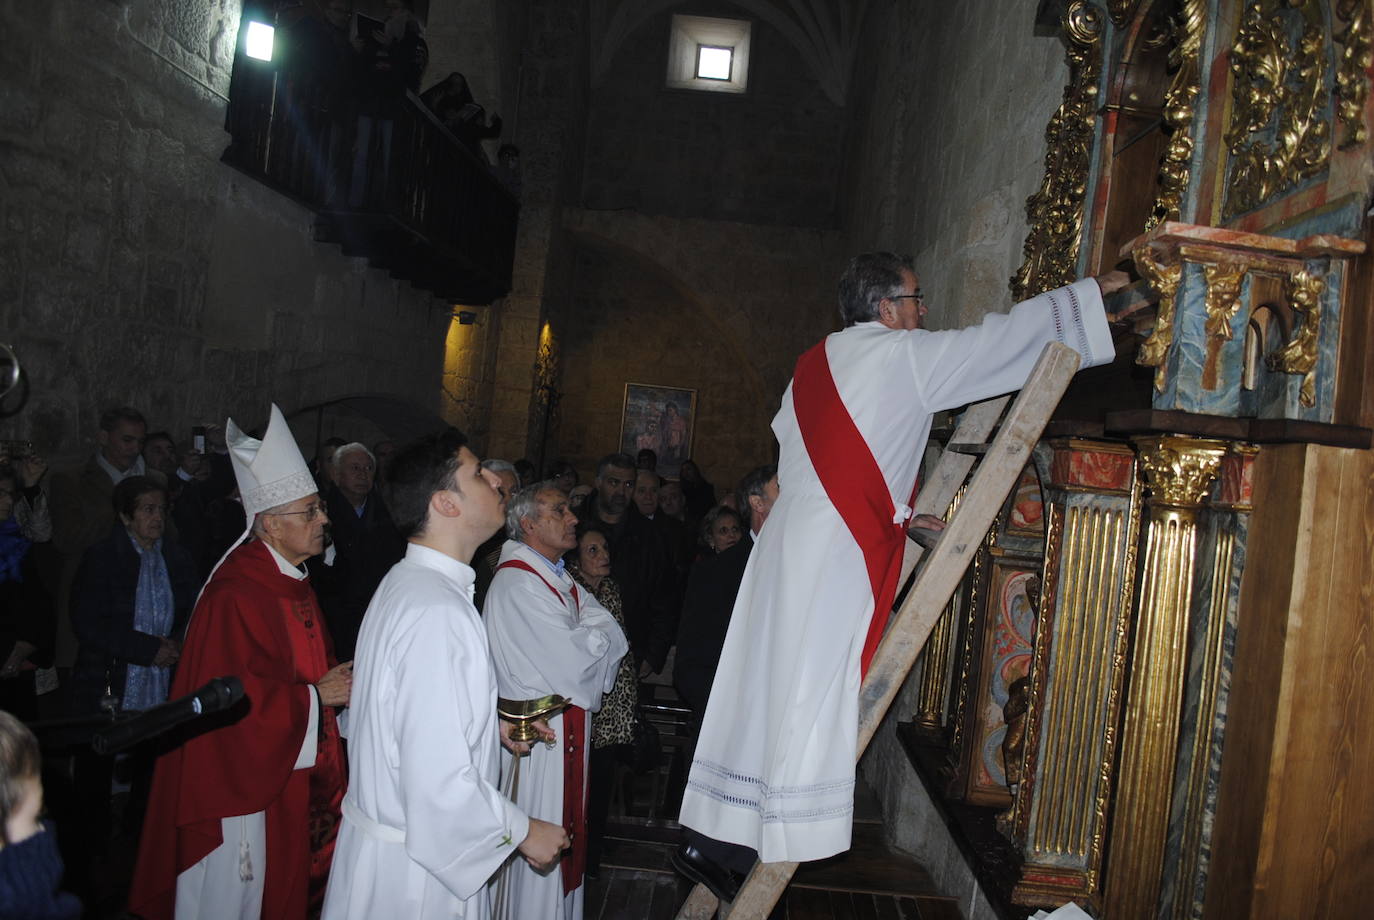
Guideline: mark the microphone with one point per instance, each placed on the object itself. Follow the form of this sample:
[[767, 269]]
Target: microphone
[[216, 696]]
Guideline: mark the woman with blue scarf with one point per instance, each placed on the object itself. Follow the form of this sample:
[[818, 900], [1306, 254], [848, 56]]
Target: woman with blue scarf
[[132, 597], [130, 603]]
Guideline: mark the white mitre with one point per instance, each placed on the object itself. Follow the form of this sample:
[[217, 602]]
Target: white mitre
[[270, 472]]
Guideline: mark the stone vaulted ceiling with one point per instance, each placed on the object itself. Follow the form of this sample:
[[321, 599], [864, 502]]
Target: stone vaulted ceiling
[[824, 32]]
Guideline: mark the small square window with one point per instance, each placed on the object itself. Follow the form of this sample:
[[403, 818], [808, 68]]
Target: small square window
[[709, 54], [714, 62]]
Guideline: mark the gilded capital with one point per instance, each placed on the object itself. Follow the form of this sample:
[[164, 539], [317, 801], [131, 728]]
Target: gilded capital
[[1178, 470]]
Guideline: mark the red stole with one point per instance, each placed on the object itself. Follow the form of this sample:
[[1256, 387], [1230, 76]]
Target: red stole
[[853, 482], [574, 862]]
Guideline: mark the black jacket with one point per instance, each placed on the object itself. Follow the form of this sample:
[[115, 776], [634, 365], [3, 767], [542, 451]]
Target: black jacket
[[706, 610], [103, 614], [365, 549], [642, 565]]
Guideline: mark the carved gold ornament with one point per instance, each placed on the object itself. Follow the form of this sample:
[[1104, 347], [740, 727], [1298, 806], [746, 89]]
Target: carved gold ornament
[[1055, 211], [1352, 84], [1279, 85], [1179, 104], [1180, 470], [1299, 356], [1164, 276], [1223, 296], [1121, 10]]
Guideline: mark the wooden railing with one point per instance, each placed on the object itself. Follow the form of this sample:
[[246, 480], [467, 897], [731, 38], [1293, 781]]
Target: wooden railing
[[389, 183]]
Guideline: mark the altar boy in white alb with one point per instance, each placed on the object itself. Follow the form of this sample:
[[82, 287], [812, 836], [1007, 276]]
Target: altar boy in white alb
[[424, 825], [777, 775], [548, 637]]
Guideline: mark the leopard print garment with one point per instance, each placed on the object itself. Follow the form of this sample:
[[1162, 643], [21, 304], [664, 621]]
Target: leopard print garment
[[615, 722]]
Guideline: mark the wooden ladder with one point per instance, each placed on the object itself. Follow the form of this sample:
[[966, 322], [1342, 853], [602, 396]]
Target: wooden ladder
[[1003, 460]]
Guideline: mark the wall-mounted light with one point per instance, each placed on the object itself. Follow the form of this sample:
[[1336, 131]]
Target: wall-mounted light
[[257, 42]]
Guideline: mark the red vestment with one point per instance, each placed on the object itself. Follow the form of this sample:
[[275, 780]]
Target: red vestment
[[264, 627]]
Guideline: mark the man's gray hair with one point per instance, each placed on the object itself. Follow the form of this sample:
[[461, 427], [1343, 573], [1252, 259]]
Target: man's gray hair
[[870, 277], [753, 483], [497, 465], [523, 505], [336, 461]]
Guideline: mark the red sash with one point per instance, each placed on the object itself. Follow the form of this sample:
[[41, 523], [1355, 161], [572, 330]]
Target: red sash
[[853, 482], [574, 862]]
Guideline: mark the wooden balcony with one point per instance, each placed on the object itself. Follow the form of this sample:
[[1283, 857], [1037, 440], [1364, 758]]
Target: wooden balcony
[[387, 183]]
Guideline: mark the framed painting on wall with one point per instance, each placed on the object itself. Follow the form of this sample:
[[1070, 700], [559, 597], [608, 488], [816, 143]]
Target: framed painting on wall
[[661, 419]]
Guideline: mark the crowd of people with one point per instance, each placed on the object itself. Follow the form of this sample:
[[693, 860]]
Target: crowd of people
[[102, 564]]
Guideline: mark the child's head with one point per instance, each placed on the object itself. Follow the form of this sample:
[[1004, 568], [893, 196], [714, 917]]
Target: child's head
[[21, 791]]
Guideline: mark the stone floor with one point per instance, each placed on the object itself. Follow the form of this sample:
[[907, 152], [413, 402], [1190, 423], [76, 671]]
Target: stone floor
[[870, 881]]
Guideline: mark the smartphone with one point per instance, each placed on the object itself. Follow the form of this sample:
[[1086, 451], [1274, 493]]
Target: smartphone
[[198, 439]]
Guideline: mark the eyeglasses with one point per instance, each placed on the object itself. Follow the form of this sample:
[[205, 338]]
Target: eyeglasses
[[918, 297], [311, 512]]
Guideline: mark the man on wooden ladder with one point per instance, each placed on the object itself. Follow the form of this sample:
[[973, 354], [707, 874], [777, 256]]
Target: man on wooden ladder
[[773, 773]]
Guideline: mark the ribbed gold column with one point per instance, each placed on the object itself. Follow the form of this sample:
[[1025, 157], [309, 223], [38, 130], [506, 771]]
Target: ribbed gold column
[[1178, 472], [1092, 519], [930, 703]]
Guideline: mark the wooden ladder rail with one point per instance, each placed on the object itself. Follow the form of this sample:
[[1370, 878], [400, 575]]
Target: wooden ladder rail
[[936, 582]]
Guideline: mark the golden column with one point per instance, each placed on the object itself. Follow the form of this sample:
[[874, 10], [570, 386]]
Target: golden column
[[1178, 473], [932, 697]]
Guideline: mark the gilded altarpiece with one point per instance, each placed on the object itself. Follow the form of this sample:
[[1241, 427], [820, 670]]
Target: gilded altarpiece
[[1256, 137]]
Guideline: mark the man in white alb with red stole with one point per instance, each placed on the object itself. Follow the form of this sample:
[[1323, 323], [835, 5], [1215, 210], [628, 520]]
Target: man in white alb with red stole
[[774, 767], [549, 637]]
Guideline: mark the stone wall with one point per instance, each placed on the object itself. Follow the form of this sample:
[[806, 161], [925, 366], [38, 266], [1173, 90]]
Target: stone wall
[[770, 155], [722, 308], [136, 268], [550, 131], [947, 143]]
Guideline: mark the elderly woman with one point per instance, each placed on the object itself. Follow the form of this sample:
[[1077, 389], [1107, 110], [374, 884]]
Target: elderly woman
[[721, 528], [130, 603], [614, 726]]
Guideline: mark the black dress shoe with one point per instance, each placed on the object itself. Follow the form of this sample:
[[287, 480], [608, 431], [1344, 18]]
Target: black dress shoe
[[698, 867]]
